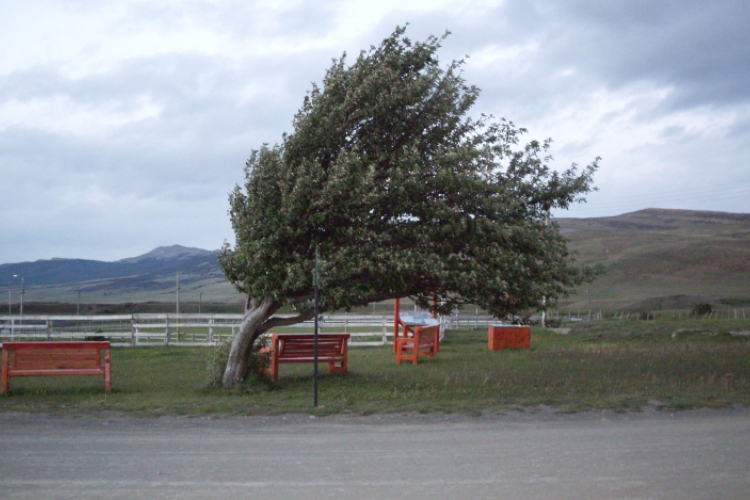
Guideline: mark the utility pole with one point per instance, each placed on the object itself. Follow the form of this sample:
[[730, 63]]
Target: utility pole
[[544, 299], [178, 307], [177, 291], [22, 292]]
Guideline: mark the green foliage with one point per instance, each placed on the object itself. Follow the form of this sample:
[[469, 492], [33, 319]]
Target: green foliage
[[405, 193], [257, 363], [217, 362]]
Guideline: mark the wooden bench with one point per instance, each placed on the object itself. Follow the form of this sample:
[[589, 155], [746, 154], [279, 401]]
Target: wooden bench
[[424, 342], [32, 359], [300, 348]]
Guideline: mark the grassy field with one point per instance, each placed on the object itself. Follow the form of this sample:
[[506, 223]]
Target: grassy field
[[607, 364], [668, 254]]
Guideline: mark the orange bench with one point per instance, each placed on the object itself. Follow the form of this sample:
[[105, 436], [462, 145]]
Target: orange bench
[[300, 348], [31, 359], [424, 342]]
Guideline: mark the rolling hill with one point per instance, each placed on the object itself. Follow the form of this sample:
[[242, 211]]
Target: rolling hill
[[659, 258], [151, 277], [652, 258]]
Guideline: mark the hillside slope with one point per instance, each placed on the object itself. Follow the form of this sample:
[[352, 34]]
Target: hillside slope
[[149, 277], [668, 258], [653, 259]]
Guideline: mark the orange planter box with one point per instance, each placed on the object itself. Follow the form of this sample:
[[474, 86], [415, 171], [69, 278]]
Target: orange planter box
[[509, 337]]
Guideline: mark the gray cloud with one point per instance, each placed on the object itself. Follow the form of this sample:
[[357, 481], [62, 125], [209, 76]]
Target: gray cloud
[[142, 150]]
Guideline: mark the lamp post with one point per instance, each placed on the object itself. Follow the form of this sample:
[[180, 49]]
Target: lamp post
[[20, 312], [177, 319], [177, 291]]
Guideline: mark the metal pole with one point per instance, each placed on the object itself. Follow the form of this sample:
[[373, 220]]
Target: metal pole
[[200, 301], [8, 302], [544, 298], [78, 304], [22, 292], [178, 294], [315, 334], [178, 307]]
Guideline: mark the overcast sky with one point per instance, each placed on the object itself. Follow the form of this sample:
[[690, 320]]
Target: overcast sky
[[125, 124]]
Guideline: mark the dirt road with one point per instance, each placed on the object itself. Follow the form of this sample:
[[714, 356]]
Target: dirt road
[[653, 455]]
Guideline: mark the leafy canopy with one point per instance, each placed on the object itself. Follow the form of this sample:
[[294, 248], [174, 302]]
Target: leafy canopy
[[405, 193]]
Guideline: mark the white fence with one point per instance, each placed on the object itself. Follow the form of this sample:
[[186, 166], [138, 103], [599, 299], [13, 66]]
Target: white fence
[[179, 329], [200, 329]]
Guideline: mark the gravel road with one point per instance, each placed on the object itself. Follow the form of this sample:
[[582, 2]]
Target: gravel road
[[703, 454]]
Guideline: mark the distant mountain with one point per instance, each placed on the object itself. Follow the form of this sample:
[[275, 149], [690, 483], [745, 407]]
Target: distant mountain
[[159, 262], [171, 252], [151, 276]]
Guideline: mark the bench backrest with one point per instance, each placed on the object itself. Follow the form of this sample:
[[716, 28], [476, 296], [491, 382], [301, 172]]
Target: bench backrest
[[292, 346], [428, 335], [55, 355]]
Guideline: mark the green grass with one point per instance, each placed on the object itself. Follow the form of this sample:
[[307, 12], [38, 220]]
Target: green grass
[[608, 364]]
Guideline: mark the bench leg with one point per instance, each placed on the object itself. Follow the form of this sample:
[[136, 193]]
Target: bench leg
[[337, 366], [274, 366], [107, 371], [4, 385], [404, 346]]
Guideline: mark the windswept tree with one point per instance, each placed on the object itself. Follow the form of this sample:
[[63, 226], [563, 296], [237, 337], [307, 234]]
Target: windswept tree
[[405, 193]]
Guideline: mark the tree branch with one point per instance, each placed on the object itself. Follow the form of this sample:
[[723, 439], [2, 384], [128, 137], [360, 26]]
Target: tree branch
[[276, 321]]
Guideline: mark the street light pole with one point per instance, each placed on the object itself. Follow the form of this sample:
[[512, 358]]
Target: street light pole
[[178, 307], [20, 312], [178, 293]]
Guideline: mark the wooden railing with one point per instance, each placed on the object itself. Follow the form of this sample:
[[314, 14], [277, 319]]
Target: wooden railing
[[202, 329], [179, 329]]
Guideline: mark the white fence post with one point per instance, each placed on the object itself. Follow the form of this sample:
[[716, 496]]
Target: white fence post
[[133, 331], [166, 333]]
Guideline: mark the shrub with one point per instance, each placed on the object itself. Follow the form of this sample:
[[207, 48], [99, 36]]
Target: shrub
[[702, 309], [257, 364]]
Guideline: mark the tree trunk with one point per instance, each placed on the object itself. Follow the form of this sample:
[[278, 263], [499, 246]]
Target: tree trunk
[[258, 320], [256, 314]]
